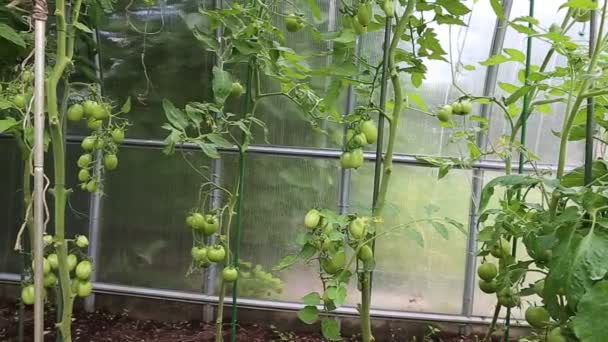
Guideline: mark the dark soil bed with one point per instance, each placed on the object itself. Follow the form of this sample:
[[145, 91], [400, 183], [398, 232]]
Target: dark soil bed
[[104, 326]]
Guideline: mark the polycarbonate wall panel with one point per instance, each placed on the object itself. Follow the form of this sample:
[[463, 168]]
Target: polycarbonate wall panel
[[409, 276], [143, 237]]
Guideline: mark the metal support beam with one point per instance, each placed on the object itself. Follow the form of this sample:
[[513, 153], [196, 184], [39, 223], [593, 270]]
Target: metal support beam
[[477, 181]]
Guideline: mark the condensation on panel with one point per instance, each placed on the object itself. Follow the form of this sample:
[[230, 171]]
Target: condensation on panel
[[278, 193], [540, 137], [410, 276], [144, 240], [175, 65]]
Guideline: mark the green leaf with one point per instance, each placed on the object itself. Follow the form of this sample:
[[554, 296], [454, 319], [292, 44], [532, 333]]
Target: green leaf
[[454, 7], [418, 100], [415, 235], [309, 314], [5, 104], [497, 7], [441, 229], [219, 140], [126, 107], [494, 60], [330, 327], [11, 35], [222, 84], [8, 124], [314, 9], [82, 27], [286, 262], [584, 4], [507, 181], [508, 87], [516, 55], [469, 67], [456, 224], [590, 320], [517, 95], [312, 299], [176, 117], [209, 40], [576, 177], [209, 149]]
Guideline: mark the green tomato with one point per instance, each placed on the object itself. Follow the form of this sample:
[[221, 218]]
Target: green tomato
[[82, 241], [83, 269], [487, 271], [328, 245], [365, 253], [582, 15], [100, 112], [19, 101], [46, 266], [236, 90], [211, 226], [457, 108], [118, 135], [72, 260], [445, 113], [94, 124], [84, 175], [50, 280], [27, 76], [370, 130], [364, 14], [47, 240], [467, 106], [100, 143], [84, 288], [199, 253], [544, 257], [110, 162], [75, 112], [555, 335], [216, 253], [28, 295], [91, 186], [88, 144], [357, 158], [197, 221], [487, 286], [89, 107], [539, 288], [293, 23], [357, 229], [53, 261], [229, 274], [346, 160], [501, 249], [538, 317], [388, 7], [312, 219], [555, 28], [85, 159], [357, 27], [508, 298], [350, 134], [360, 140]]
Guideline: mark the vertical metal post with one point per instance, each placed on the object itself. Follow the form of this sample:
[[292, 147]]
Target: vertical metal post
[[39, 15], [95, 199], [477, 181], [589, 128]]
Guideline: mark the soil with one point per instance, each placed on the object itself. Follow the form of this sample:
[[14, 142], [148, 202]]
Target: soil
[[101, 326]]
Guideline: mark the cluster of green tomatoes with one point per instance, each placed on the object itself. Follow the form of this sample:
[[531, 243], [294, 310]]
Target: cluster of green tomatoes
[[80, 269], [19, 92], [508, 296], [360, 134], [294, 22], [329, 240], [202, 255], [106, 135], [461, 107], [360, 19]]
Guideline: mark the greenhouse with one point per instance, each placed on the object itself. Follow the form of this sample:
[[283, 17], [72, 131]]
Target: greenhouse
[[303, 170]]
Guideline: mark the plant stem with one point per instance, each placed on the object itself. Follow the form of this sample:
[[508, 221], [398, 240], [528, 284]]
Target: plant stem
[[493, 324]]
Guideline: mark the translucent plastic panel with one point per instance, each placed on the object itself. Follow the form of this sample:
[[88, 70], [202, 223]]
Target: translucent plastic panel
[[408, 276], [176, 64], [540, 138], [11, 214], [278, 193], [143, 237]]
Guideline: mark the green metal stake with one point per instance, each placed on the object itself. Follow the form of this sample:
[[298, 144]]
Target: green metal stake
[[524, 123], [589, 128]]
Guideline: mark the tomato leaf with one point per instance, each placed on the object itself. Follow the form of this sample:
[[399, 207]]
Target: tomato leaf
[[222, 84], [441, 229], [287, 261], [311, 299], [126, 107], [415, 235], [584, 4], [418, 100], [309, 314], [219, 140], [454, 7], [209, 149], [498, 10], [507, 181], [82, 27], [456, 225], [330, 327], [576, 177], [589, 322], [11, 35], [8, 124], [175, 116]]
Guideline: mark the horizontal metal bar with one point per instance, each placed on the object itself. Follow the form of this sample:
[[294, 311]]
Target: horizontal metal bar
[[198, 298]]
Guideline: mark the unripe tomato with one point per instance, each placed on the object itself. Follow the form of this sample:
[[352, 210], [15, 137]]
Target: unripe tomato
[[294, 23], [487, 271], [28, 295], [118, 135], [357, 158], [445, 113], [216, 253], [84, 175], [84, 288], [88, 144], [53, 261], [94, 124], [347, 21], [83, 270], [110, 162], [47, 240], [582, 15], [364, 14], [544, 257], [82, 241], [199, 253], [312, 219], [555, 28], [370, 130], [100, 112], [487, 286], [389, 8], [467, 107], [91, 186], [346, 160], [46, 266], [501, 249], [19, 101], [328, 245], [360, 140], [457, 108], [357, 27], [350, 134], [50, 280], [356, 229], [75, 112], [230, 274], [538, 317], [335, 262], [211, 226], [100, 143], [27, 76], [365, 253], [85, 159], [89, 107], [197, 221], [508, 298], [555, 335], [72, 260], [236, 89], [539, 287]]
